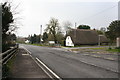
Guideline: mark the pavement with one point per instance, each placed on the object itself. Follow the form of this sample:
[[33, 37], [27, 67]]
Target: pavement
[[67, 64], [25, 67]]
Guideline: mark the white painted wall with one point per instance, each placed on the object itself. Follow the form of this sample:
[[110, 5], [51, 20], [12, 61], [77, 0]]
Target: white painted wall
[[51, 42], [27, 41], [69, 41]]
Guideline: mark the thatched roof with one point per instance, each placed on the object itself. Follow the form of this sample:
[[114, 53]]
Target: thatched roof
[[82, 36]]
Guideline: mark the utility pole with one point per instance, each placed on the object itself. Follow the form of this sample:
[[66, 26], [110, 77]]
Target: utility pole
[[75, 31], [40, 33], [41, 29], [75, 25]]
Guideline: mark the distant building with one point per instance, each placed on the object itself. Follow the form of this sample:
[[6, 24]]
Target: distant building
[[21, 40], [84, 37], [51, 42], [27, 41]]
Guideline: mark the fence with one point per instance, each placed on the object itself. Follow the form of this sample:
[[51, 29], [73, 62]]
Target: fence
[[6, 56]]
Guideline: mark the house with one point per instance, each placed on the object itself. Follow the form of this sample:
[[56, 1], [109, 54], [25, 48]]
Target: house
[[27, 41], [51, 42], [84, 37]]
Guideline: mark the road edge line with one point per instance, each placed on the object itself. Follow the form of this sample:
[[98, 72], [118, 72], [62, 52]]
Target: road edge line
[[26, 50], [43, 65], [48, 69]]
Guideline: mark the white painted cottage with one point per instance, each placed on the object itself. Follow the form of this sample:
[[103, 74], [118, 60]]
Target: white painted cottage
[[69, 41]]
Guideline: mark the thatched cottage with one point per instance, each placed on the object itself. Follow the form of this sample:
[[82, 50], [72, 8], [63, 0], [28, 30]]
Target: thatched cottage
[[84, 37]]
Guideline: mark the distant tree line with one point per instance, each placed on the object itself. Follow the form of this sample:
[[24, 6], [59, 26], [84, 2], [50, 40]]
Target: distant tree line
[[34, 38]]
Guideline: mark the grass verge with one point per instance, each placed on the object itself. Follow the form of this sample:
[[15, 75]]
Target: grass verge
[[113, 50], [6, 68]]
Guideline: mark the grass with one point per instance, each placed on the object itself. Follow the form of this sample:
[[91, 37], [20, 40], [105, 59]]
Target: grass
[[75, 49], [38, 44], [45, 45], [67, 46], [113, 50], [6, 68], [98, 48]]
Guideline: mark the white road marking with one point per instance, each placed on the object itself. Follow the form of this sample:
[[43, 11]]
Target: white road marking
[[25, 54], [48, 69], [26, 50], [43, 65]]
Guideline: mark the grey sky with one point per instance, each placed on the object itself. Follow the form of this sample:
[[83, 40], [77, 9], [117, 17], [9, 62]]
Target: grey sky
[[96, 13]]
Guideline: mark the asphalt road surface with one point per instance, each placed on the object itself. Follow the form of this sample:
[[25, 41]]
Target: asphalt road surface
[[70, 65]]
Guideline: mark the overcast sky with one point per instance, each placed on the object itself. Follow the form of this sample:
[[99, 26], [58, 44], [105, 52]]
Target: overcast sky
[[95, 13]]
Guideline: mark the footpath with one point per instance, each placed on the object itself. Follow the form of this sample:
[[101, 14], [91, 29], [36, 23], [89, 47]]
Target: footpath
[[24, 66]]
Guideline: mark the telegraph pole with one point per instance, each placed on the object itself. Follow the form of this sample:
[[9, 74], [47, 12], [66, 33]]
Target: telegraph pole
[[40, 33], [41, 29], [75, 25], [75, 31]]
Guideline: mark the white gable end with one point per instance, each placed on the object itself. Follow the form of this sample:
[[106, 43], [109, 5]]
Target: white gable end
[[69, 41]]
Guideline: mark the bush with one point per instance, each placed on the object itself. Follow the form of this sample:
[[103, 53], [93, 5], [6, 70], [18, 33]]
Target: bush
[[117, 48], [5, 71], [110, 48]]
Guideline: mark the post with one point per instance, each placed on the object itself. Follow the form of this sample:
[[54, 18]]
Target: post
[[0, 31]]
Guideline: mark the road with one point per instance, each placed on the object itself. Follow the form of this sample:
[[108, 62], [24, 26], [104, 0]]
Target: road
[[70, 65]]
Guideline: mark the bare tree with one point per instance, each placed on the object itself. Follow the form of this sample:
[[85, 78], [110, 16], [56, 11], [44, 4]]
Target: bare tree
[[67, 26], [53, 28]]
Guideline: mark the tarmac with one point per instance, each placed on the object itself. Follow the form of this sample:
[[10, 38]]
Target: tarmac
[[24, 66]]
